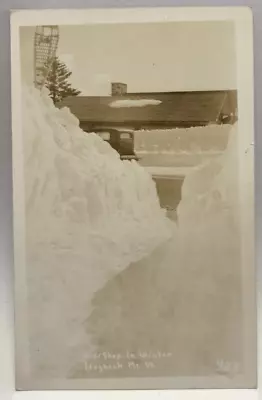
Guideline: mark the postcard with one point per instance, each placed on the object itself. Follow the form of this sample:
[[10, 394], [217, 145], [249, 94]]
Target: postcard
[[133, 192]]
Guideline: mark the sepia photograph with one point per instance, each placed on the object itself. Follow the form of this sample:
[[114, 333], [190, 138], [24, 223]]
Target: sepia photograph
[[133, 199]]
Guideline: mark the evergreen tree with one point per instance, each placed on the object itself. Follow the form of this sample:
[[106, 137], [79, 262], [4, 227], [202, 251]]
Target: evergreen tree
[[57, 81]]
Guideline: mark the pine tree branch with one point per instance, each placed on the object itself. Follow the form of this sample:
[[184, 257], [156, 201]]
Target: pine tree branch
[[57, 81]]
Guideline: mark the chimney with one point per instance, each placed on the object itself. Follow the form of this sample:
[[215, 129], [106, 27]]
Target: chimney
[[118, 88]]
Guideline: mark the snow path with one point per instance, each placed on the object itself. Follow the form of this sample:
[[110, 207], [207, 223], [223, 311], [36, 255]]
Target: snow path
[[89, 216], [185, 298]]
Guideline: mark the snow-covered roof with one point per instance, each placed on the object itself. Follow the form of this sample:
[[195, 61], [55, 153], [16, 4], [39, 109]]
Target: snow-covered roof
[[169, 109]]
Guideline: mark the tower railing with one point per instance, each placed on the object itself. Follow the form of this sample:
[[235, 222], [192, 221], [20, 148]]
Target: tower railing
[[45, 48]]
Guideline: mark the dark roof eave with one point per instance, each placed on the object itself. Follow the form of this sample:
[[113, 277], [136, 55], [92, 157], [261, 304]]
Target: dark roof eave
[[153, 124]]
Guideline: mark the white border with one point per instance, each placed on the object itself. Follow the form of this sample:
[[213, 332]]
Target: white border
[[242, 17]]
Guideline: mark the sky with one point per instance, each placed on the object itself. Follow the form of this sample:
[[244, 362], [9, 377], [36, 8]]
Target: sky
[[151, 57]]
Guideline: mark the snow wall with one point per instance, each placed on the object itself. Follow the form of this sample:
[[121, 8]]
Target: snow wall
[[211, 139], [88, 216], [212, 187], [189, 292], [181, 147]]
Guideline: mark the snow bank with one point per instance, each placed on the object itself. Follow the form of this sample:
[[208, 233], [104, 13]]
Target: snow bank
[[210, 220], [212, 187], [196, 140], [189, 292], [88, 216]]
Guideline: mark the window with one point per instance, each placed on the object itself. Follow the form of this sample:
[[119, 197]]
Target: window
[[104, 135], [126, 135]]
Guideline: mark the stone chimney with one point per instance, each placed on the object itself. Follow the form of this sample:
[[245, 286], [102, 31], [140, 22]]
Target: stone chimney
[[118, 88]]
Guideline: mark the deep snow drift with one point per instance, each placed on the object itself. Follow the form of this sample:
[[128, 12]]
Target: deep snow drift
[[188, 293], [88, 216], [210, 139], [212, 187], [181, 147]]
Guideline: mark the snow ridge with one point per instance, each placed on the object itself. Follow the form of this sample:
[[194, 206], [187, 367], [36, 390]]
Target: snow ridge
[[88, 216]]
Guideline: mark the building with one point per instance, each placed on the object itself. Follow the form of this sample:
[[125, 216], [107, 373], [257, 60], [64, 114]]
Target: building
[[173, 110]]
